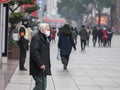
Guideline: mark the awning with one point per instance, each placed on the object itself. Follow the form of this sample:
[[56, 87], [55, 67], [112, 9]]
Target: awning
[[4, 1], [55, 20], [46, 19]]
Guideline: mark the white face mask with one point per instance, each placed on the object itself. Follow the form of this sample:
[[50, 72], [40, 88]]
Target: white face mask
[[47, 33]]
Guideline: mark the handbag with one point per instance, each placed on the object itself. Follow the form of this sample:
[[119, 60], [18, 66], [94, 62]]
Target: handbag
[[58, 55]]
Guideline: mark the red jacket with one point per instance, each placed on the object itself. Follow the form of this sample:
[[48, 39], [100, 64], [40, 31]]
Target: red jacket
[[53, 33], [105, 35]]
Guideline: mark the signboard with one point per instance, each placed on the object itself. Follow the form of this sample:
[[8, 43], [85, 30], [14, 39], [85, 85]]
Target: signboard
[[103, 20], [55, 20], [4, 1]]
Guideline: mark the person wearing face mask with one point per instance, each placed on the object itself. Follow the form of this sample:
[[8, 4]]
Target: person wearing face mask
[[23, 43], [40, 56]]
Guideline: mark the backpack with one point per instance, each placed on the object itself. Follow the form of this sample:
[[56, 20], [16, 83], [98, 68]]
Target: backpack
[[15, 36], [74, 34]]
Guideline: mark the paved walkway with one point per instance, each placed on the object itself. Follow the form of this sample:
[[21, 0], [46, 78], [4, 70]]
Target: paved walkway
[[6, 72], [97, 68]]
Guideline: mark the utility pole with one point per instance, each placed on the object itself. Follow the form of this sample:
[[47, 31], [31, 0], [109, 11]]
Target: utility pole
[[1, 28], [1, 32]]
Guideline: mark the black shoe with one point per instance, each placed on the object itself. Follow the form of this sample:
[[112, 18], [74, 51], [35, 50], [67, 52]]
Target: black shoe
[[65, 66], [23, 69], [82, 49]]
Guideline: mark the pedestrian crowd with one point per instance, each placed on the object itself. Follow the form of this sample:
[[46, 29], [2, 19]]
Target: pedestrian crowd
[[102, 35], [38, 42]]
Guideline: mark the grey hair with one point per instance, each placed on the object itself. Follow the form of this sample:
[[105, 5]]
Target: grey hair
[[42, 26]]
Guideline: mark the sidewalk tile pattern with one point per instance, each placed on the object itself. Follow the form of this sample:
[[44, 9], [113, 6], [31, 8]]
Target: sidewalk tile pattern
[[97, 68]]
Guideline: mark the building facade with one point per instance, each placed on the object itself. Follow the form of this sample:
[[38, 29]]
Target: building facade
[[118, 15], [43, 8], [51, 7]]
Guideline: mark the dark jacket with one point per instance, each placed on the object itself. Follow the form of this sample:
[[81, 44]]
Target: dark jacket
[[83, 34], [110, 35], [100, 33], [95, 32], [65, 44], [39, 54], [23, 43]]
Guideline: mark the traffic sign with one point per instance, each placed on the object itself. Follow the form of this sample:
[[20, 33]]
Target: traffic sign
[[4, 1]]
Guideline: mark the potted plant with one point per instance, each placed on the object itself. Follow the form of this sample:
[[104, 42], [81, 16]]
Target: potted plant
[[13, 48], [14, 19]]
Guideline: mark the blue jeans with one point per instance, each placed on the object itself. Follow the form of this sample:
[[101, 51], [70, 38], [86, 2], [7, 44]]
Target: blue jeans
[[40, 82]]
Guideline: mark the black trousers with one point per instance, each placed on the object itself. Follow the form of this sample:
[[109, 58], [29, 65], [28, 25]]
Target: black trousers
[[40, 82], [22, 58], [105, 42], [65, 59], [100, 41], [94, 41], [87, 41], [109, 42], [83, 44]]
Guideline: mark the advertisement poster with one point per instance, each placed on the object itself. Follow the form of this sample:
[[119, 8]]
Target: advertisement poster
[[103, 20]]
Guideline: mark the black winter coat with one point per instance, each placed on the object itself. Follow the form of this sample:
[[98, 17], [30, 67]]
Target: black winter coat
[[83, 34], [100, 33], [23, 43], [65, 44], [39, 54], [95, 33]]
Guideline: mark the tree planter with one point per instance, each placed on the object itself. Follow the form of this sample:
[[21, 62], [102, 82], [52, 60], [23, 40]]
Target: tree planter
[[13, 52]]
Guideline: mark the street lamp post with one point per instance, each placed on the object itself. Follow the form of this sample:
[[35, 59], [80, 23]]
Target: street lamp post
[[1, 27], [1, 32]]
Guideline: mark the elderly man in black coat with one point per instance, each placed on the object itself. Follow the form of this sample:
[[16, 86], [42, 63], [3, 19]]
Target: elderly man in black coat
[[40, 57]]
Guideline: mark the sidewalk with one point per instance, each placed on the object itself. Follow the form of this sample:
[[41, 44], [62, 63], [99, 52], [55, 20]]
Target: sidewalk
[[6, 72], [97, 68]]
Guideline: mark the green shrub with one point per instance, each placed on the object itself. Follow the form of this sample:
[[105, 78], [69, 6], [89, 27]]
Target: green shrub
[[16, 17], [32, 9]]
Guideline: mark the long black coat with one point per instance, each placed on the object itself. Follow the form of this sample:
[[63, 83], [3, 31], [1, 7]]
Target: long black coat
[[65, 44], [23, 43], [95, 33], [39, 54]]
